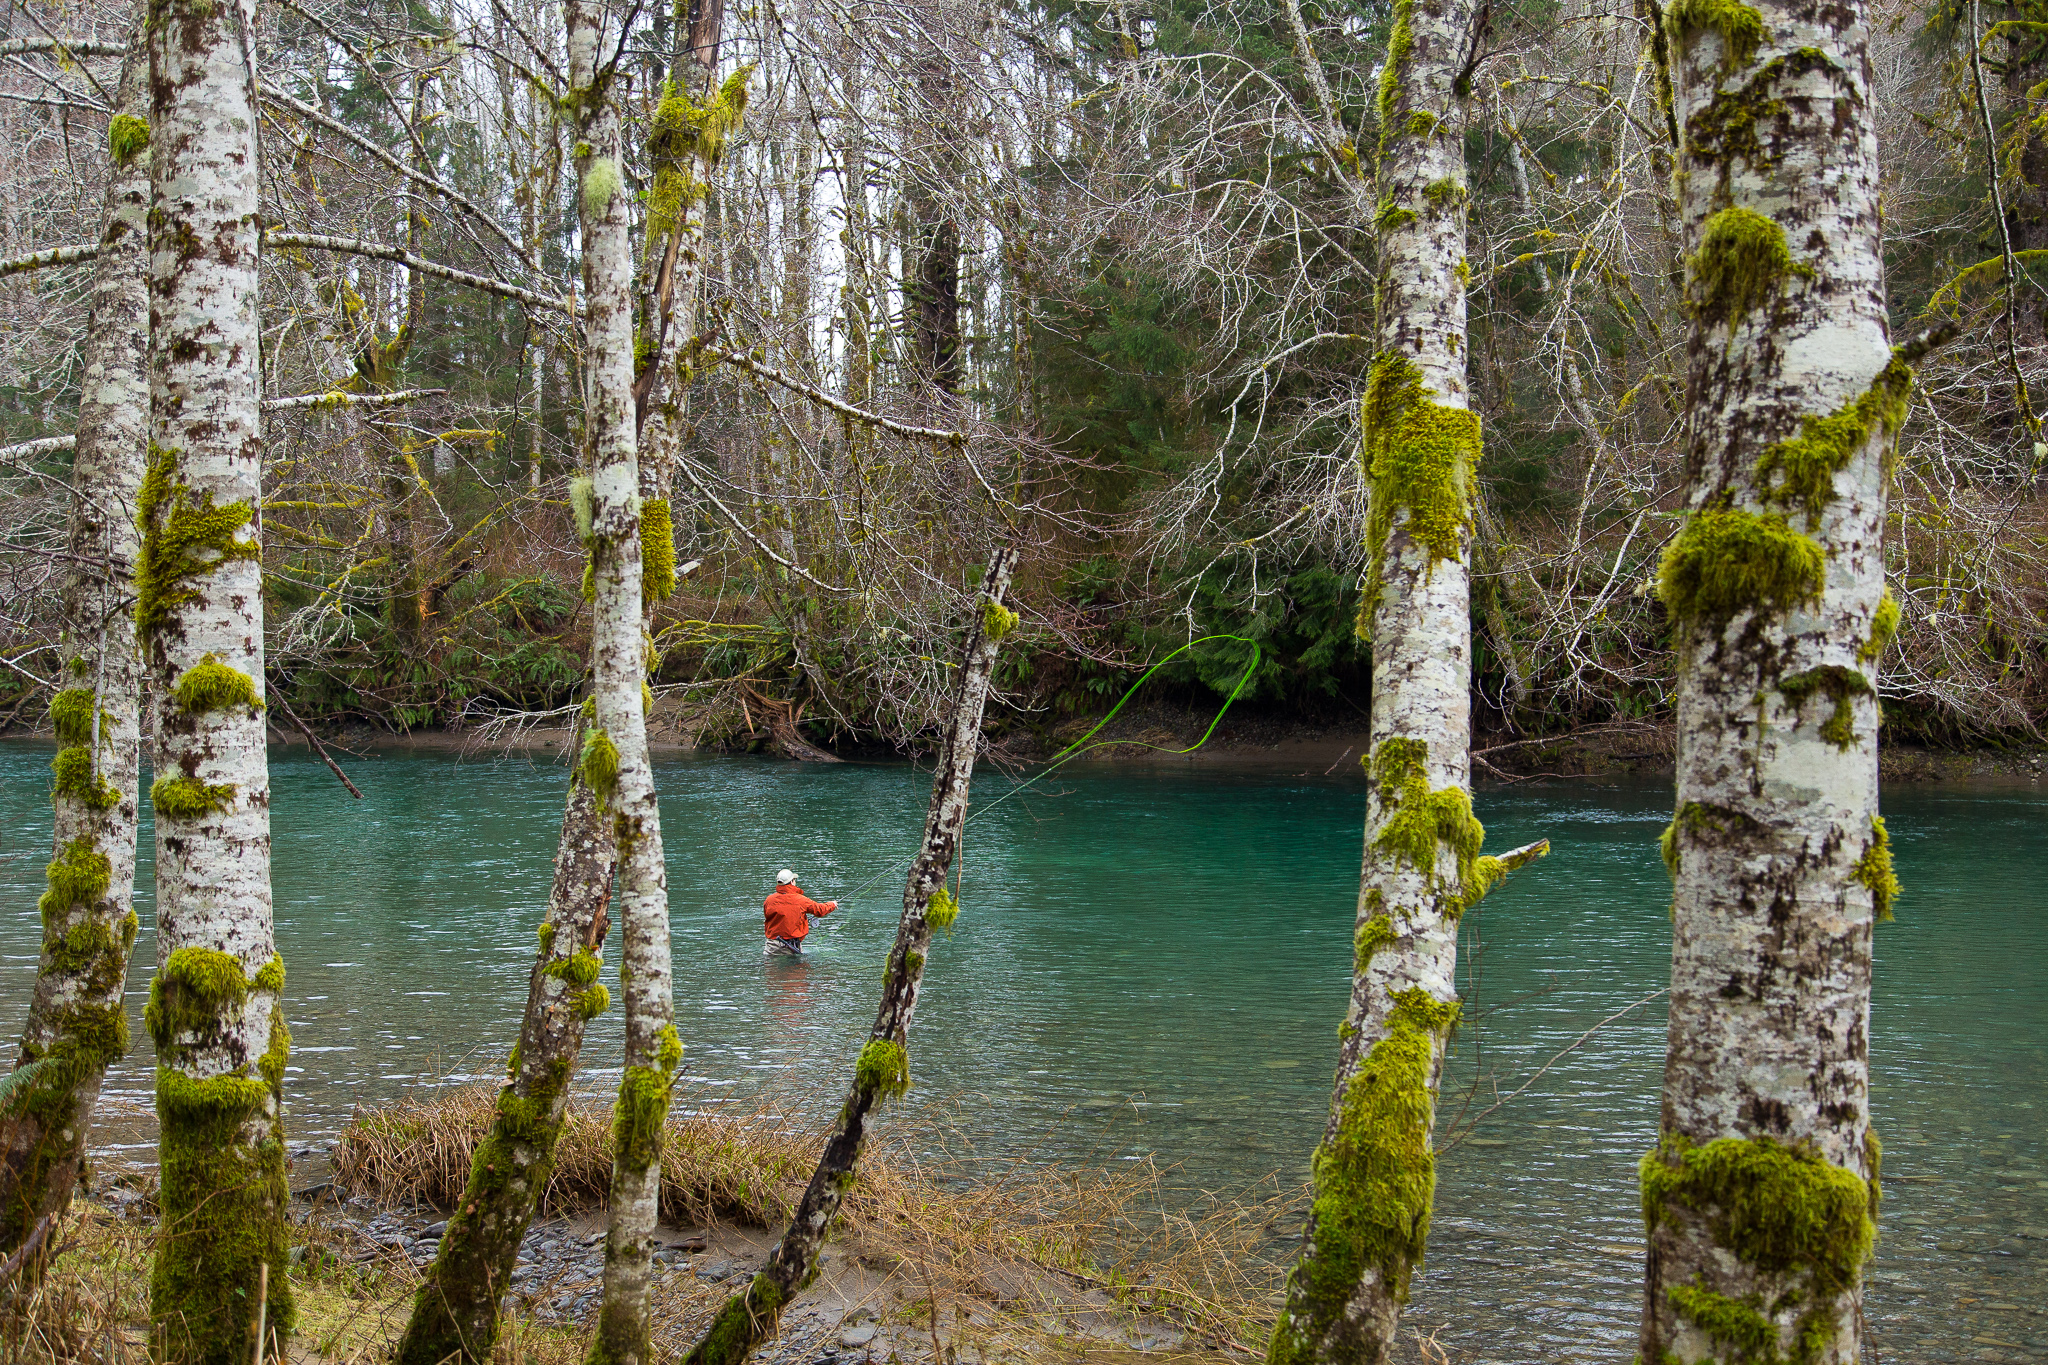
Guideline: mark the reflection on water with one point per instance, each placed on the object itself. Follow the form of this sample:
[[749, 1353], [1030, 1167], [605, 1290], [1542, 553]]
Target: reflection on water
[[1155, 962]]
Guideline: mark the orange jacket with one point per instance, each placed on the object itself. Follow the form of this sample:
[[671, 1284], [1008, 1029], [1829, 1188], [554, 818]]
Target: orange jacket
[[789, 910]]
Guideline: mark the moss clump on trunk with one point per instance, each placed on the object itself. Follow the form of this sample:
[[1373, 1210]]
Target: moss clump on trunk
[[1874, 870], [883, 1069], [187, 798], [1419, 456], [1728, 561], [1421, 822], [1800, 472], [211, 685], [1784, 1212], [657, 550], [1742, 262], [183, 537], [1741, 27], [1838, 684], [1375, 1180]]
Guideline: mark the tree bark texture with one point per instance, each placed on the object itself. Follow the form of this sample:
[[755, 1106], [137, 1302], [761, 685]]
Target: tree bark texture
[[214, 1009], [1375, 1173], [883, 1069], [618, 670], [1760, 1196], [76, 1023]]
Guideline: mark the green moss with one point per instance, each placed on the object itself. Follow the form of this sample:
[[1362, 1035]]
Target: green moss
[[668, 1050], [1800, 472], [545, 932], [657, 549], [71, 716], [1374, 934], [1726, 561], [127, 137], [1884, 626], [213, 977], [1419, 458], [942, 910], [1400, 44], [1779, 1209], [183, 537], [1840, 685], [883, 1069], [638, 1115], [913, 962], [1391, 216], [1742, 260], [599, 766], [1420, 822], [211, 685], [88, 1034], [593, 1002], [81, 946], [223, 1201], [997, 621], [1667, 845], [270, 976], [745, 1320], [1375, 1179], [1741, 1328], [278, 1055], [1873, 1156], [1446, 192], [1422, 123], [187, 798], [75, 775], [1463, 270], [79, 875], [1741, 28], [1874, 870]]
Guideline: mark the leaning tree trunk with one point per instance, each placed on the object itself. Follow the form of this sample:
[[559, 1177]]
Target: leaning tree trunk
[[883, 1069], [1375, 1174], [1760, 1195], [214, 1008], [618, 666], [77, 1023], [609, 822]]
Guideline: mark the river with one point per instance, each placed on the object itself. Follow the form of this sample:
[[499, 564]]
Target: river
[[1152, 961]]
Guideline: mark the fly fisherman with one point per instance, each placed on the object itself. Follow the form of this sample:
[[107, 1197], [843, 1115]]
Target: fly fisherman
[[789, 916]]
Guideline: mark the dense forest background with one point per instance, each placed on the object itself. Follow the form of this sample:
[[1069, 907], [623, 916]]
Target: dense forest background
[[1094, 279]]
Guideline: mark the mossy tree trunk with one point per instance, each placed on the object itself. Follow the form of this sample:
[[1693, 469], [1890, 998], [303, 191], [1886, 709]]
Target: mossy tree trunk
[[77, 1024], [214, 1008], [1375, 1174], [883, 1069], [455, 1314], [1760, 1196], [618, 669]]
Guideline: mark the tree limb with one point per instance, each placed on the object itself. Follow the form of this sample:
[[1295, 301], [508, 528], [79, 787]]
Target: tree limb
[[57, 255], [356, 246]]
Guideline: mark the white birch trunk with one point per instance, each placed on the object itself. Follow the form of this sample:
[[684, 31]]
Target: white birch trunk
[[214, 1005], [77, 1022], [1375, 1174], [624, 1331], [1760, 1196]]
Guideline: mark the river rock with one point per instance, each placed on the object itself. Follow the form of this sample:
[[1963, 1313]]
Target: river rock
[[855, 1337]]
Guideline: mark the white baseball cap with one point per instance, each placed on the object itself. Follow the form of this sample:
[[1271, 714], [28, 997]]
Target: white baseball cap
[[784, 877]]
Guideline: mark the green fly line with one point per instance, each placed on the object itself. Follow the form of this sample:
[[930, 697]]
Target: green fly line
[[1082, 745]]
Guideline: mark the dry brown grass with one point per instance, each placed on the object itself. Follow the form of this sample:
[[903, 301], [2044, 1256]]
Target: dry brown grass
[[1027, 1236]]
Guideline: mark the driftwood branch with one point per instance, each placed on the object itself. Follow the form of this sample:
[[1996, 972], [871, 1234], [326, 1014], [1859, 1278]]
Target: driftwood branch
[[883, 1070], [314, 740]]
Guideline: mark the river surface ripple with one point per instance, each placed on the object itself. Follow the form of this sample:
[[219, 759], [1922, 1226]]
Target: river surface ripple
[[1151, 963]]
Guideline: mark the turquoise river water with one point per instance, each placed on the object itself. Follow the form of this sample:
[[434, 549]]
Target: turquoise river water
[[1152, 961]]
